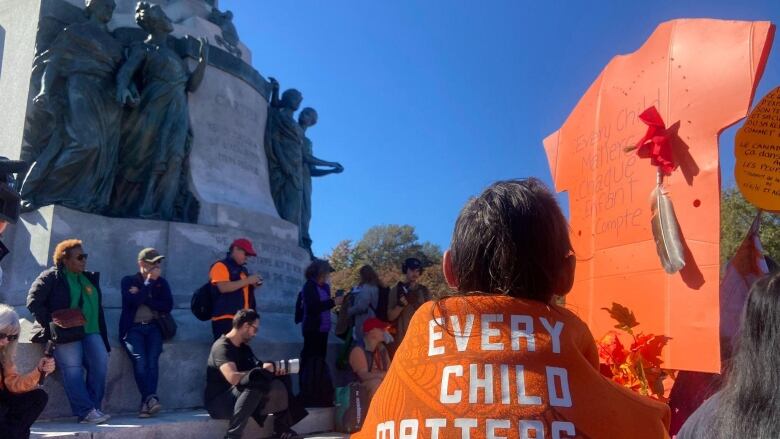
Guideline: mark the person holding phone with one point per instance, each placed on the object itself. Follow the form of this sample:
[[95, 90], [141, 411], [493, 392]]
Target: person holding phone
[[239, 386], [405, 299], [21, 399], [235, 286], [145, 295]]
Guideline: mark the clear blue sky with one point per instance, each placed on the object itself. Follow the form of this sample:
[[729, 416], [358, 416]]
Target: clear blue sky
[[426, 102]]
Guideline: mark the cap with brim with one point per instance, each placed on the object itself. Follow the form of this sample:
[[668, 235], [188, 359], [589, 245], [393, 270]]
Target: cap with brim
[[150, 255], [413, 264], [374, 323], [245, 245]]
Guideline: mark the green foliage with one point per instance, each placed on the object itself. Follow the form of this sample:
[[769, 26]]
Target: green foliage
[[736, 216], [385, 248]]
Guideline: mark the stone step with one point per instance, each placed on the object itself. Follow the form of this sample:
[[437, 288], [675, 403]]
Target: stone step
[[191, 424]]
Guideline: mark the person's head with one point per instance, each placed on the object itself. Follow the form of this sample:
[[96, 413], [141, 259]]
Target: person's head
[[368, 276], [69, 255], [511, 240], [291, 98], [9, 334], [749, 406], [308, 117], [413, 269], [149, 259], [245, 324], [102, 10], [318, 271], [374, 330], [152, 18], [240, 250]]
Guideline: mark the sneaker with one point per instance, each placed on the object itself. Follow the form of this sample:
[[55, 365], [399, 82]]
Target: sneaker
[[95, 416], [144, 412], [153, 405]]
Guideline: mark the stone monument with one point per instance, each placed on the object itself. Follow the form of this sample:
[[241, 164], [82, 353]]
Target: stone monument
[[205, 186]]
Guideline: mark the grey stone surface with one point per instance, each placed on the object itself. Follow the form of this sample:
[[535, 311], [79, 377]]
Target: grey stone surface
[[113, 244], [19, 28], [227, 162], [193, 424]]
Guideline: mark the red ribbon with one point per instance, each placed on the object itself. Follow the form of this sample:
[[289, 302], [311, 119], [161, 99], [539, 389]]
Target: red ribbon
[[656, 144]]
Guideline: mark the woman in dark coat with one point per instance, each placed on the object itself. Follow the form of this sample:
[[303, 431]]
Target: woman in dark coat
[[67, 286], [315, 380]]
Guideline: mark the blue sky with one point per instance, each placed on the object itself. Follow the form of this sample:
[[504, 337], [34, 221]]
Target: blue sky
[[426, 102]]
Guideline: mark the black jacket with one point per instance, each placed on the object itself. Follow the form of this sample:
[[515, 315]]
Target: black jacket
[[313, 307], [50, 292]]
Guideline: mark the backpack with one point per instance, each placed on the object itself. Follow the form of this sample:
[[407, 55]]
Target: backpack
[[202, 302], [352, 405], [299, 308], [350, 408], [343, 321]]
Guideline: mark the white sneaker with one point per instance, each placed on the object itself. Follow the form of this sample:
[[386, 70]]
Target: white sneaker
[[95, 416]]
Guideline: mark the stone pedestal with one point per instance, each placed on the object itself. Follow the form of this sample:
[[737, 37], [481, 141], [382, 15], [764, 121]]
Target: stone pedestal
[[229, 176]]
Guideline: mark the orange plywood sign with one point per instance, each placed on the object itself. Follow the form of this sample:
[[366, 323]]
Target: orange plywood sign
[[700, 75], [757, 147]]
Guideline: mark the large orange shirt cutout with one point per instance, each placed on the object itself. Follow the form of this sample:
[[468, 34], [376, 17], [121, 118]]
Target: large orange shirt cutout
[[701, 75]]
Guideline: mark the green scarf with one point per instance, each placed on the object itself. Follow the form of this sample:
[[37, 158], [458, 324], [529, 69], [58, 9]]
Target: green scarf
[[80, 287]]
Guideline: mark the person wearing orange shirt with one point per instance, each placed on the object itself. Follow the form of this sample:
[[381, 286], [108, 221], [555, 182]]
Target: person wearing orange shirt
[[497, 358], [235, 287], [21, 398]]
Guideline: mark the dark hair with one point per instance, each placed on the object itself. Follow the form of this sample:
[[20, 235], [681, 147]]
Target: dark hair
[[317, 268], [511, 240], [412, 263], [368, 276], [749, 405], [245, 316]]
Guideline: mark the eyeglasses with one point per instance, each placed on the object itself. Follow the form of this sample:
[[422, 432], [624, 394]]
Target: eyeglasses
[[82, 257], [10, 337]]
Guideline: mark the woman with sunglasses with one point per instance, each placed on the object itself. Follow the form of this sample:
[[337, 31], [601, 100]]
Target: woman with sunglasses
[[21, 400], [145, 295], [66, 299]]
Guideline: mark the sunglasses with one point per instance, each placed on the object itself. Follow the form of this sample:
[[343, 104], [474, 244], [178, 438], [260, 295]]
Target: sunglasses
[[10, 337], [82, 257]]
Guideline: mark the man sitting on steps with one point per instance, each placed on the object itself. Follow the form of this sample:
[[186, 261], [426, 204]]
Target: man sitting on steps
[[239, 386]]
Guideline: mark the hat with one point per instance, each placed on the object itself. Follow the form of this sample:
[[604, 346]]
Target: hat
[[411, 264], [150, 255], [245, 245], [374, 323]]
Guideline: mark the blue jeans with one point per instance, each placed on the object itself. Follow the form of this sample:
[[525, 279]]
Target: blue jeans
[[72, 360], [144, 346]]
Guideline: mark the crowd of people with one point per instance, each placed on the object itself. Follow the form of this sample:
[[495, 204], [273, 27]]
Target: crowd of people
[[509, 259]]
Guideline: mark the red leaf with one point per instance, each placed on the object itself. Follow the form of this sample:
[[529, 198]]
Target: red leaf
[[649, 348], [611, 350]]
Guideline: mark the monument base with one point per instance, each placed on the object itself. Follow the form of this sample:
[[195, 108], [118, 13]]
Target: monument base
[[113, 245]]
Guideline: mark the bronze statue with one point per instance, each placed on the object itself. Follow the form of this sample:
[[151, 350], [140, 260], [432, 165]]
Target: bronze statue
[[75, 168], [283, 143], [229, 38], [151, 181], [308, 118]]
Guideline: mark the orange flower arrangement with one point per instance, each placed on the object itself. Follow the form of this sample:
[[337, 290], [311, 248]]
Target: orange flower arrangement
[[638, 367]]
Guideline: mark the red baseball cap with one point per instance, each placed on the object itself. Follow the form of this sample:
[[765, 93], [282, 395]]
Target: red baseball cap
[[245, 245], [374, 323]]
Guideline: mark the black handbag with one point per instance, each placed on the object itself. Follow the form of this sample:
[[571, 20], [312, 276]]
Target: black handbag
[[167, 326]]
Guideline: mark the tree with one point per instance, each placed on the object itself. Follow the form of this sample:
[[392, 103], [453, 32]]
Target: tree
[[385, 248], [736, 216]]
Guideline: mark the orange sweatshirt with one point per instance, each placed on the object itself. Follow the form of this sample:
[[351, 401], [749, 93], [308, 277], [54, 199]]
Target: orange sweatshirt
[[498, 367], [16, 383]]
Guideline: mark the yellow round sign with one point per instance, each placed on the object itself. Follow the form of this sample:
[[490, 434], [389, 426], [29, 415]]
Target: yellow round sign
[[757, 147]]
